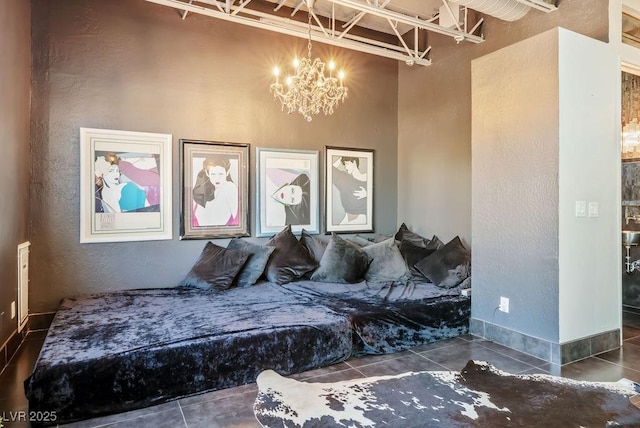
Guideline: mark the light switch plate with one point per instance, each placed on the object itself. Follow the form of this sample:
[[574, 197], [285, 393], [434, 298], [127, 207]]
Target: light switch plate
[[593, 209], [581, 208]]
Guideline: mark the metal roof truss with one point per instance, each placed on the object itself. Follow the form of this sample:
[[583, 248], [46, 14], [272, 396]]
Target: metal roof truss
[[332, 31]]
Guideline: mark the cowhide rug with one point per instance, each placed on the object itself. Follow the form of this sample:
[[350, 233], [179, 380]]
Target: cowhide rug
[[478, 396]]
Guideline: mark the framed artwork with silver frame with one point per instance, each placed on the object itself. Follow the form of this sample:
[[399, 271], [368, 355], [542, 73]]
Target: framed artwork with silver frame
[[288, 191], [125, 186]]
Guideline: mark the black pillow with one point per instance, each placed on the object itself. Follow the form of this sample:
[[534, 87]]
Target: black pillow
[[434, 243], [448, 266], [404, 234], [290, 260], [254, 267], [315, 245], [412, 254], [216, 268], [342, 262]]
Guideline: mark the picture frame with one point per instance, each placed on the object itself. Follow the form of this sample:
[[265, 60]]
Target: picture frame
[[287, 184], [348, 189], [125, 186], [214, 190]]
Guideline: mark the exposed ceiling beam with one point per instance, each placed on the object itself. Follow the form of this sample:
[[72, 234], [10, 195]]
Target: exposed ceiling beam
[[539, 4], [410, 20], [242, 14]]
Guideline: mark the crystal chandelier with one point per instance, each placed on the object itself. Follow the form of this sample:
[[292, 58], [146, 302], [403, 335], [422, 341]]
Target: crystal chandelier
[[308, 91]]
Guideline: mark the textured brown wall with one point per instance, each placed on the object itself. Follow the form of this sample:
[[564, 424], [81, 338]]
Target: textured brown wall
[[15, 63], [434, 119], [134, 65]]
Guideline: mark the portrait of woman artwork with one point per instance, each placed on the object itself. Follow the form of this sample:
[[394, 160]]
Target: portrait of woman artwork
[[126, 182], [349, 190], [214, 191], [125, 186], [287, 190]]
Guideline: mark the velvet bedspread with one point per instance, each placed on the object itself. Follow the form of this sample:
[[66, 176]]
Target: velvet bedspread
[[113, 352]]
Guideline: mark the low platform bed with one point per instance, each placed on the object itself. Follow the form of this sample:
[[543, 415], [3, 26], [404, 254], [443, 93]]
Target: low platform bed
[[108, 353], [119, 351]]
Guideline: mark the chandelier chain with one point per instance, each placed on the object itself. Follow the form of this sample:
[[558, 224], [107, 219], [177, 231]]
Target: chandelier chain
[[309, 32]]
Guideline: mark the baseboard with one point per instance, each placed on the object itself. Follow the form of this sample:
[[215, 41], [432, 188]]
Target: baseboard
[[555, 353], [11, 346], [40, 321]]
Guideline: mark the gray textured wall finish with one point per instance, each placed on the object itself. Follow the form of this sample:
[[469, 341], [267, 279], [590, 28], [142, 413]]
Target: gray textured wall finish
[[434, 120], [15, 63], [515, 186], [133, 65]]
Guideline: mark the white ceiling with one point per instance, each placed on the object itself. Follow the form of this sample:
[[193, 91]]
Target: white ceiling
[[389, 28], [417, 8]]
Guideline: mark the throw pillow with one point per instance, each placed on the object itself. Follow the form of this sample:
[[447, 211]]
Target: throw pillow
[[216, 268], [254, 267], [387, 263], [342, 262], [380, 238], [434, 243], [412, 254], [315, 245], [290, 260], [404, 234], [360, 241], [448, 266]]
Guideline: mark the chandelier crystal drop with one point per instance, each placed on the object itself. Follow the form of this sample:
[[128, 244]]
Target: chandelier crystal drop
[[308, 91]]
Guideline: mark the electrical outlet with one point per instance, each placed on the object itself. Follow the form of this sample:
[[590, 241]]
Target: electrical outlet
[[504, 304], [13, 309]]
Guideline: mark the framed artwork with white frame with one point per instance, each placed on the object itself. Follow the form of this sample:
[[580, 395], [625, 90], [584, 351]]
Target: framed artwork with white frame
[[214, 190], [125, 186], [287, 186], [348, 190]]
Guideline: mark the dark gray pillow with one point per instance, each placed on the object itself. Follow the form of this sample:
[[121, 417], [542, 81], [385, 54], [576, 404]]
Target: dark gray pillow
[[387, 263], [216, 268], [290, 260], [412, 254], [448, 266], [434, 243], [380, 238], [404, 234], [315, 245], [360, 241], [254, 267], [343, 262]]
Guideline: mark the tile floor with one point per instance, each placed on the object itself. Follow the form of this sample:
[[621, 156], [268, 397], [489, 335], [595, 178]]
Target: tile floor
[[233, 407]]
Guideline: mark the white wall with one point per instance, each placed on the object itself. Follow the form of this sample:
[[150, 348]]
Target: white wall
[[589, 171]]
